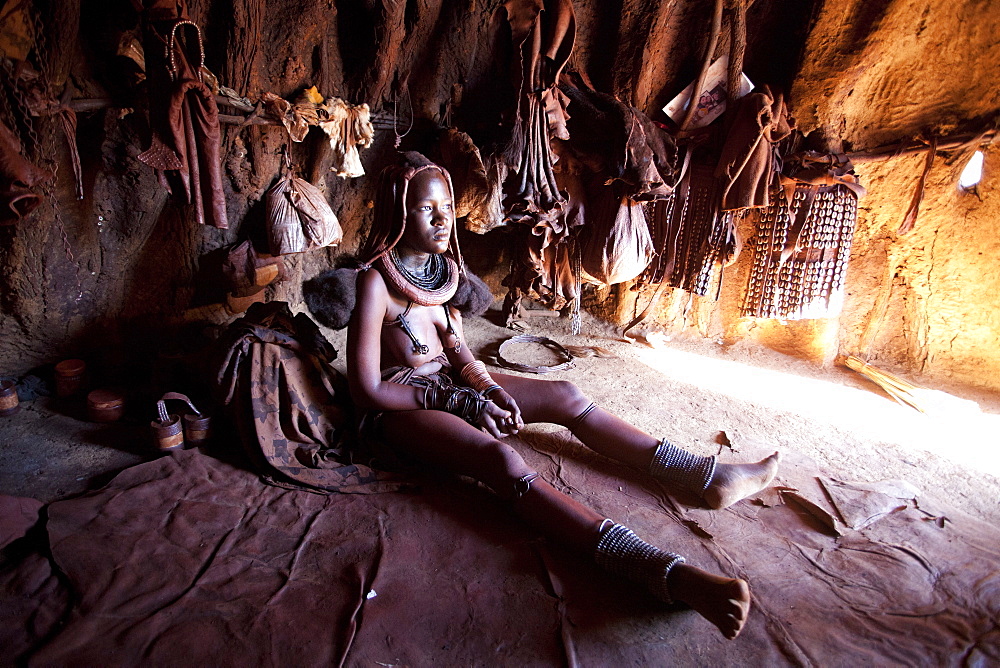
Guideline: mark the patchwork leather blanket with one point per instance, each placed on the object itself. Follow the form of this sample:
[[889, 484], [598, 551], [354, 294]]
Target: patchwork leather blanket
[[187, 560]]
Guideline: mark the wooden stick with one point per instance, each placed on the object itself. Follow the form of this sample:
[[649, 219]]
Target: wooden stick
[[91, 104], [699, 83], [239, 120], [909, 148]]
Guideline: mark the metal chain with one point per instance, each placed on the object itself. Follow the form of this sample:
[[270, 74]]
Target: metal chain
[[22, 107], [44, 67], [7, 111], [47, 148], [40, 50]]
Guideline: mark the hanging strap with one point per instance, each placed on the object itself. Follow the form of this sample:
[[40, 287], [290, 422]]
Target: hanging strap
[[910, 219], [699, 83], [575, 320], [795, 232], [161, 405], [738, 41], [680, 193], [172, 49]]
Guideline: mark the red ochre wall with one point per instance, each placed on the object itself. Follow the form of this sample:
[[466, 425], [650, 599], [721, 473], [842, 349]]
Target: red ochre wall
[[111, 275]]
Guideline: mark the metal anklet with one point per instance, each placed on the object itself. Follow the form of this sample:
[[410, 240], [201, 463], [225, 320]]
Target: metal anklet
[[621, 552], [578, 420], [682, 468], [523, 485]]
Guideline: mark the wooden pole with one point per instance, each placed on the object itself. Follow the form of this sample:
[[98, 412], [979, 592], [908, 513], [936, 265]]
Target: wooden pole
[[706, 62]]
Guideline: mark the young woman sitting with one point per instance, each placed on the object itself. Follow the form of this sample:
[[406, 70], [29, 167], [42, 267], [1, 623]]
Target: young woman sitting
[[428, 398]]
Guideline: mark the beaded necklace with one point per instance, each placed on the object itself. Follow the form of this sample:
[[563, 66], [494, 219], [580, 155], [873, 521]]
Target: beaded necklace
[[433, 274], [436, 286]]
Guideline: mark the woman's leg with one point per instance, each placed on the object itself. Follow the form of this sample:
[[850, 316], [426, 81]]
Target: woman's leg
[[448, 442], [562, 402], [443, 440]]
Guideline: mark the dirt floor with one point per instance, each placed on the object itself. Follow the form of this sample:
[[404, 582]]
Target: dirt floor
[[700, 395]]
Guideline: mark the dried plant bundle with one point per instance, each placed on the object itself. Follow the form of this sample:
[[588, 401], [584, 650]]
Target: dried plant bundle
[[910, 394]]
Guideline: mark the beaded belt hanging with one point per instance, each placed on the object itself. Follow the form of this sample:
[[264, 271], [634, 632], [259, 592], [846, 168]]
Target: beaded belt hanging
[[690, 232], [701, 234], [800, 253]]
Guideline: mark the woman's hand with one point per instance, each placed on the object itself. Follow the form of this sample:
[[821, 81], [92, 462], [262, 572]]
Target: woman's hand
[[495, 420], [512, 422]]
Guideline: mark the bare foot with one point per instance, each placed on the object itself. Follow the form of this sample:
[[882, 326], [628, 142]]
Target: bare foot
[[732, 482], [723, 601]]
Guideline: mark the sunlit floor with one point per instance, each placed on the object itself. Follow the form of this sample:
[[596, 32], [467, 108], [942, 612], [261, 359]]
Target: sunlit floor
[[952, 428]]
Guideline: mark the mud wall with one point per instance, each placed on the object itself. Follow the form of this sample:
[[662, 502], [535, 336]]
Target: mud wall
[[124, 275], [926, 303]]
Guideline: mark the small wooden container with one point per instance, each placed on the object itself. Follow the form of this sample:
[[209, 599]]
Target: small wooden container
[[236, 304], [197, 429], [69, 377], [265, 275], [168, 434], [8, 398], [105, 406]]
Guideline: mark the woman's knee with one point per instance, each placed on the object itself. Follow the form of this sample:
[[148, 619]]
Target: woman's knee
[[507, 460], [499, 465], [568, 400]]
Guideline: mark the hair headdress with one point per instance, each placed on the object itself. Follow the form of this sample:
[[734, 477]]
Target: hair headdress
[[330, 295], [389, 223]]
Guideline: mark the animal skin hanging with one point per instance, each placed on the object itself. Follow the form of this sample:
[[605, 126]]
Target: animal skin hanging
[[17, 177], [543, 32], [185, 119]]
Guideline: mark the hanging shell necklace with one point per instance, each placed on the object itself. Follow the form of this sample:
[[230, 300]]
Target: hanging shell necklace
[[435, 285]]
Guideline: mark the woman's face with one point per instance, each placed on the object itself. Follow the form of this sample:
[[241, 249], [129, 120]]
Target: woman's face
[[429, 213]]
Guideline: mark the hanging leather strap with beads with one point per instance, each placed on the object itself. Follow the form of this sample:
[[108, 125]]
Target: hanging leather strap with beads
[[695, 230], [803, 240]]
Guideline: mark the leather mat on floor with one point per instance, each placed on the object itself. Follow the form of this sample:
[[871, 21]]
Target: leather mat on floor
[[187, 560]]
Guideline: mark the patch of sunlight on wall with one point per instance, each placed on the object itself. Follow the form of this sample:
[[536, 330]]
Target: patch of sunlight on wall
[[973, 172], [961, 434]]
